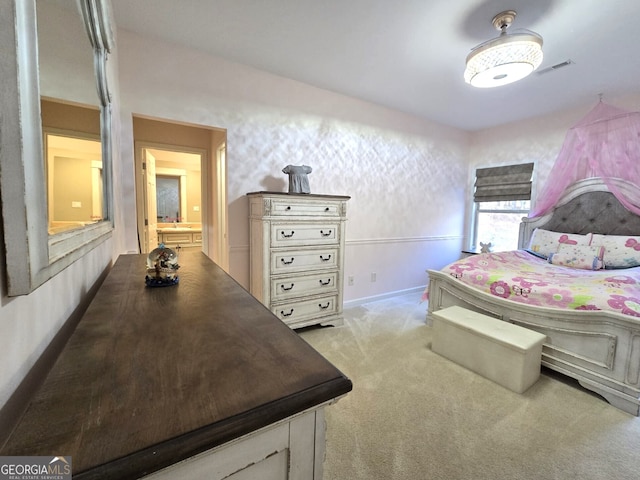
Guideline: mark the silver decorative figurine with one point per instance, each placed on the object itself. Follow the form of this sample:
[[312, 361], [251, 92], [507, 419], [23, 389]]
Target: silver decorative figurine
[[298, 180]]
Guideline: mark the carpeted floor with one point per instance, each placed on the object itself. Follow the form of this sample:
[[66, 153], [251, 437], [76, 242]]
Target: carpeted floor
[[414, 415]]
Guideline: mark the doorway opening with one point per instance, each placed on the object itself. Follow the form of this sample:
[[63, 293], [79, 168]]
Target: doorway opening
[[172, 185], [181, 188]]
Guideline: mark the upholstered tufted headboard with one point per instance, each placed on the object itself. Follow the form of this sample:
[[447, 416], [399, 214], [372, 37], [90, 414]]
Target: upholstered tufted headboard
[[586, 207]]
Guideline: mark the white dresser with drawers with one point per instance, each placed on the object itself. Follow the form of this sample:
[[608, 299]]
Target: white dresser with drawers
[[297, 255]]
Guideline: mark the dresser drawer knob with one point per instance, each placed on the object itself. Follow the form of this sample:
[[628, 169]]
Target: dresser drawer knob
[[286, 289], [328, 282], [326, 209], [288, 207], [289, 262], [324, 307], [325, 234], [322, 258], [287, 236], [286, 314]]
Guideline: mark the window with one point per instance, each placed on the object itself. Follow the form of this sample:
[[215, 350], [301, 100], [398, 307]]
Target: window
[[502, 197]]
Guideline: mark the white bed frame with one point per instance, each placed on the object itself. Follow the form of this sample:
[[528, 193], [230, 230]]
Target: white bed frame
[[601, 350]]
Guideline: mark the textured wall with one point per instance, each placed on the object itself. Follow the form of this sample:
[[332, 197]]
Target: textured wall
[[405, 175]]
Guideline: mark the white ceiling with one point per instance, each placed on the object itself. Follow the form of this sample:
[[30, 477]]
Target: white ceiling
[[410, 54]]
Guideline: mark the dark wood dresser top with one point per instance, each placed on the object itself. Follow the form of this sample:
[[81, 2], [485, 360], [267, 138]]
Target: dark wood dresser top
[[303, 195], [152, 376]]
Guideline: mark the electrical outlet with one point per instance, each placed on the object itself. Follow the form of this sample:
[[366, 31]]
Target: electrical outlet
[[350, 280], [373, 277]]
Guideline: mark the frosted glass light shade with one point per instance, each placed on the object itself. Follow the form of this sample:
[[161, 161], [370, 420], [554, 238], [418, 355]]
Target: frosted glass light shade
[[503, 60]]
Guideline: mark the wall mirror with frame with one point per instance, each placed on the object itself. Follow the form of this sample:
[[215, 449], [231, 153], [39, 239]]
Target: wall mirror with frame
[[60, 125]]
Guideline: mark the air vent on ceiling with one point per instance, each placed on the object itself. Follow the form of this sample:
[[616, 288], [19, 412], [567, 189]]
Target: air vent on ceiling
[[557, 66]]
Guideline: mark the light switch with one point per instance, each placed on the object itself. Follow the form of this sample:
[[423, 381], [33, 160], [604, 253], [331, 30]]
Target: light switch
[[76, 204], [196, 208]]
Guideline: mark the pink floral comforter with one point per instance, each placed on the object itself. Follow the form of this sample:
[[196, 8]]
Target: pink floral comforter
[[522, 277]]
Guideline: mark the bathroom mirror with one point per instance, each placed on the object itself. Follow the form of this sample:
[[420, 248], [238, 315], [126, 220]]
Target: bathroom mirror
[[168, 198], [60, 56]]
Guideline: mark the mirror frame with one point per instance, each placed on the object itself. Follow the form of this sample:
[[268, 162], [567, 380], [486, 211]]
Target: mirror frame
[[32, 255]]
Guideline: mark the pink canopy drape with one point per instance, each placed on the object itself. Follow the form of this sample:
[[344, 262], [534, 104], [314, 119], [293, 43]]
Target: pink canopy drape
[[605, 144]]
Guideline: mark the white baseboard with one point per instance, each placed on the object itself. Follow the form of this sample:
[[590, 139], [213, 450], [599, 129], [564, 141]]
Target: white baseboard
[[361, 301]]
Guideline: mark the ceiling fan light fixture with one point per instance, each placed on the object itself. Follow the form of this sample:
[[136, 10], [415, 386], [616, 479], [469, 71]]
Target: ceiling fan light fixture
[[505, 59]]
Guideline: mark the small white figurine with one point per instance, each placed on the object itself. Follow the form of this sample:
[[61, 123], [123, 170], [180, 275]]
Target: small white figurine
[[485, 247]]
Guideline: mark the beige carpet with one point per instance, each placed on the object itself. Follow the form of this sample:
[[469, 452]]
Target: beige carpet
[[415, 415]]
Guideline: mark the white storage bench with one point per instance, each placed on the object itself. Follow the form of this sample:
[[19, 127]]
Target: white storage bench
[[500, 351]]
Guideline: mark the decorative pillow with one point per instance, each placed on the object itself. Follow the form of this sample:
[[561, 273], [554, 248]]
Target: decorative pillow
[[578, 256], [545, 242], [621, 251]]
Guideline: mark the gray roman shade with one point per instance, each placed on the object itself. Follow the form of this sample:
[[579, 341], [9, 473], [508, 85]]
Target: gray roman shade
[[509, 182]]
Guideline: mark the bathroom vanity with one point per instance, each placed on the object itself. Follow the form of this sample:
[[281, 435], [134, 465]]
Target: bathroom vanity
[[181, 235]]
